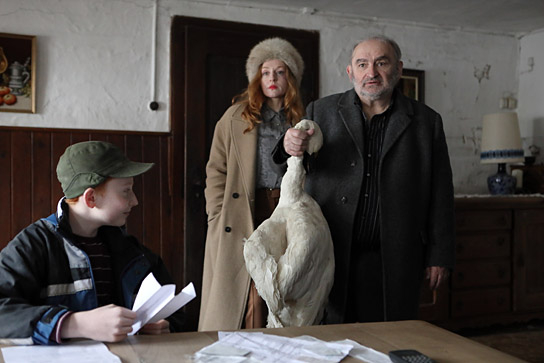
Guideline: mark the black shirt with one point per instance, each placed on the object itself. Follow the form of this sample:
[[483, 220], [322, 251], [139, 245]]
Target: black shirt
[[100, 260], [367, 233]]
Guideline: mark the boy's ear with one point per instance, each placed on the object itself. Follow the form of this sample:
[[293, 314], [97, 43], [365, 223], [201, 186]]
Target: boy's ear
[[89, 196]]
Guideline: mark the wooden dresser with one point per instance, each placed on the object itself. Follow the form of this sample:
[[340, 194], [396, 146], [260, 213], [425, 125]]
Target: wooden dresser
[[499, 273]]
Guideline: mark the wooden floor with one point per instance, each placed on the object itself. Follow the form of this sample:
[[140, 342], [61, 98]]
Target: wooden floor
[[525, 341]]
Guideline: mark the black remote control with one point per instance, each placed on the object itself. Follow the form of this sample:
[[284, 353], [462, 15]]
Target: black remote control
[[409, 355]]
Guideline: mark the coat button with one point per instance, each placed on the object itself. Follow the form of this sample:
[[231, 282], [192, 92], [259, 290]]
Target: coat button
[[344, 200], [228, 229], [235, 195]]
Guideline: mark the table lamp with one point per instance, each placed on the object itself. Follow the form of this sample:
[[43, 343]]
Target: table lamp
[[501, 144]]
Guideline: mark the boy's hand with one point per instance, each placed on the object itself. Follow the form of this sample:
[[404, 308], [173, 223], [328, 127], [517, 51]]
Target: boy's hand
[[295, 141], [110, 323], [160, 327]]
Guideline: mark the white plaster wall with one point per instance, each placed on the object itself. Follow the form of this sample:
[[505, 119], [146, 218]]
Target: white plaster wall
[[531, 90], [93, 63], [94, 66]]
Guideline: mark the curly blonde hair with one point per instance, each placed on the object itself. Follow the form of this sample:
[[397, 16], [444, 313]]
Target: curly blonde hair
[[253, 98]]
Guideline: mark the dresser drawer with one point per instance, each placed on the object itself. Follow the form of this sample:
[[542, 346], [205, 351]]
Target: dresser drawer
[[482, 245], [481, 220], [480, 302], [481, 273]]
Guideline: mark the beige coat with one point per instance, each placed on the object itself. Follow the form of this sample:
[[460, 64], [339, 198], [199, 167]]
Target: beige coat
[[230, 197]]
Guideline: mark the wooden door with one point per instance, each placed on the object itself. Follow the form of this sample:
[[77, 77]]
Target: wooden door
[[528, 257], [207, 69]]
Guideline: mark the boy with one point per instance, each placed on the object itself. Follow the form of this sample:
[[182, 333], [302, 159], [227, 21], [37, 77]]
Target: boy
[[75, 274]]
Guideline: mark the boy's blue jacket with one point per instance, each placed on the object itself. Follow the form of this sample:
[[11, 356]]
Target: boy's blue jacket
[[43, 275]]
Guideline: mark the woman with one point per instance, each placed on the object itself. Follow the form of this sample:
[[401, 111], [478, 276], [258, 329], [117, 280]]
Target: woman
[[242, 183]]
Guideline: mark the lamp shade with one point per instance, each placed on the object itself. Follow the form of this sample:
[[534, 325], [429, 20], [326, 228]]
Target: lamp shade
[[501, 140]]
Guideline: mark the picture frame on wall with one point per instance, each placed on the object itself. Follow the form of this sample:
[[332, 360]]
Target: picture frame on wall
[[17, 73], [412, 84]]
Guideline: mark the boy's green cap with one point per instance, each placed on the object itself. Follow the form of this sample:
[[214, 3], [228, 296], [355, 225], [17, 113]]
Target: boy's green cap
[[88, 164]]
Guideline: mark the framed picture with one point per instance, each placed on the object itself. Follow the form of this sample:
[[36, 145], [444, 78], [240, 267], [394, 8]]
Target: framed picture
[[17, 73], [412, 84]]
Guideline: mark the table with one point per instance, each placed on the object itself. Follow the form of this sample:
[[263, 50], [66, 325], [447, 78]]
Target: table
[[441, 345]]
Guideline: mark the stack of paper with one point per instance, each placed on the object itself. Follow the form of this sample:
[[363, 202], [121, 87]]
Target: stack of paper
[[259, 347]]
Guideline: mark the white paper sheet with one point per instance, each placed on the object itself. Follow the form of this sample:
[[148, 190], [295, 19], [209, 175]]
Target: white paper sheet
[[365, 354], [80, 352], [271, 348], [155, 302]]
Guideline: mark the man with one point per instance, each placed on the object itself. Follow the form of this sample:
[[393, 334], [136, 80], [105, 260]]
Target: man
[[384, 182], [76, 273]]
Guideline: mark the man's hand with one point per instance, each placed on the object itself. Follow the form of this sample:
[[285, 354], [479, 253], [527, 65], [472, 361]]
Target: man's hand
[[110, 323], [295, 141], [436, 276], [160, 327]]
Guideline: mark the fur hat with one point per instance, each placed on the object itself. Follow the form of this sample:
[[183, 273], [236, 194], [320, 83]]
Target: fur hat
[[275, 48]]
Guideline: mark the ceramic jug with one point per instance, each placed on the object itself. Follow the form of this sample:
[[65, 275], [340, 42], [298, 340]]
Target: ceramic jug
[[19, 77]]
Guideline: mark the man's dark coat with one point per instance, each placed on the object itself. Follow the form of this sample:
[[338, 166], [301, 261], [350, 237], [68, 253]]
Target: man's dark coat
[[416, 196]]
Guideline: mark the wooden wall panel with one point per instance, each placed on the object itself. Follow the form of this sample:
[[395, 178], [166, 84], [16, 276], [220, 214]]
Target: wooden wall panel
[[167, 213], [135, 225], [79, 136], [151, 197], [5, 188], [59, 142], [21, 164], [29, 188], [42, 167]]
